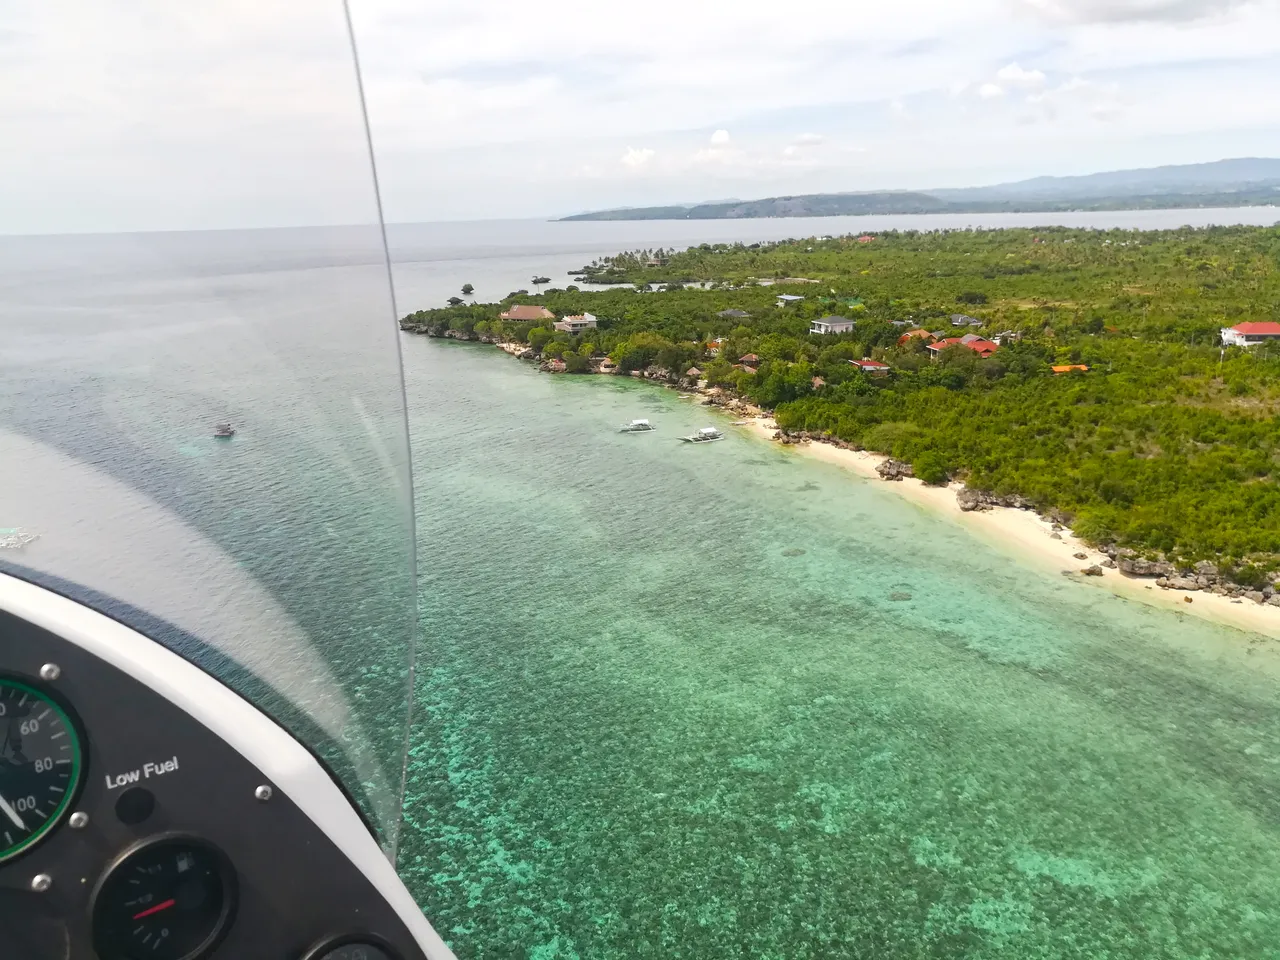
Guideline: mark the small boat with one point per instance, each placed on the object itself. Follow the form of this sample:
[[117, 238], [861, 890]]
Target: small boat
[[705, 435], [224, 431], [637, 426], [740, 423], [684, 396]]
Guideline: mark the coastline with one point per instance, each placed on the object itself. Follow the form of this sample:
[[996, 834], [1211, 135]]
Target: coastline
[[1016, 531], [1022, 532]]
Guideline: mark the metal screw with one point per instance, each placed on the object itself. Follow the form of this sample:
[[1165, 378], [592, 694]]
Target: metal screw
[[263, 793], [41, 882], [78, 821], [50, 672]]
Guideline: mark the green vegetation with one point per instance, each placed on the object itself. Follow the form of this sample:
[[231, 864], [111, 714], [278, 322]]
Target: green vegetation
[[1167, 444]]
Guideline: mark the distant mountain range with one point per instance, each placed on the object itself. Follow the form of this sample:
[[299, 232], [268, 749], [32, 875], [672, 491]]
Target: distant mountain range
[[1224, 183]]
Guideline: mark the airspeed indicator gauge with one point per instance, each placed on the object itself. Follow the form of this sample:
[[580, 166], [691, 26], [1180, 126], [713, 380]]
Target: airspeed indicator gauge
[[41, 762]]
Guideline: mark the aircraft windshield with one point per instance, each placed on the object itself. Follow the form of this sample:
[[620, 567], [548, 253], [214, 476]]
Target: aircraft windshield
[[203, 433]]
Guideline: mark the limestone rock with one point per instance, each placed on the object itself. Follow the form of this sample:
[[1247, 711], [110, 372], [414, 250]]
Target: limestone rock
[[895, 470], [1137, 567]]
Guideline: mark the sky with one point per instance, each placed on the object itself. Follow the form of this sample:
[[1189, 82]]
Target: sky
[[146, 114]]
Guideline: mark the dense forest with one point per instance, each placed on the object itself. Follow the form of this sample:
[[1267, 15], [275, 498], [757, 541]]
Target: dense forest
[[1167, 443]]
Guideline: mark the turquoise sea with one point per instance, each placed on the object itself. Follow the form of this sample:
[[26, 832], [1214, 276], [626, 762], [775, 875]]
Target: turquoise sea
[[671, 702], [675, 702]]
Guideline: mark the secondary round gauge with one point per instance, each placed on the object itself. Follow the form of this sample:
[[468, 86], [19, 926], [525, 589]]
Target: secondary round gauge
[[172, 899], [350, 949], [41, 762]]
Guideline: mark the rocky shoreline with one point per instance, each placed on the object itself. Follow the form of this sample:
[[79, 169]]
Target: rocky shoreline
[[1203, 576]]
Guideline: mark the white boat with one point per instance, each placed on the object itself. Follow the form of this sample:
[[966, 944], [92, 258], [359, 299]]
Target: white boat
[[705, 435], [638, 426]]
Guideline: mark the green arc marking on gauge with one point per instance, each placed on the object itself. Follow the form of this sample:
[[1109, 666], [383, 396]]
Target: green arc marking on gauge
[[73, 783]]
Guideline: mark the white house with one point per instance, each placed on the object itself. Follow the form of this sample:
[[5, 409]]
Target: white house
[[576, 324], [786, 299], [831, 325], [1247, 334]]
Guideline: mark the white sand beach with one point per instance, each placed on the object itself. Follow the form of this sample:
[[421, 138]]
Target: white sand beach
[[1023, 532]]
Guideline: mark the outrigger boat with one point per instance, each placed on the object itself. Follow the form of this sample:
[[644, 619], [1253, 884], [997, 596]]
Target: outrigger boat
[[705, 435]]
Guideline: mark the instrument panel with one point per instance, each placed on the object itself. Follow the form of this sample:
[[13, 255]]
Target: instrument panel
[[128, 830]]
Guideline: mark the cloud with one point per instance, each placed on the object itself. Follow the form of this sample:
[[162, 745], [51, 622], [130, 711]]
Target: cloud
[[720, 137], [808, 140], [1122, 11], [245, 113], [1015, 76], [635, 159]]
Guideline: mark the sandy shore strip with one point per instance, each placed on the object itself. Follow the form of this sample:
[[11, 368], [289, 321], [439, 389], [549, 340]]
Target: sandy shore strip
[[1023, 532]]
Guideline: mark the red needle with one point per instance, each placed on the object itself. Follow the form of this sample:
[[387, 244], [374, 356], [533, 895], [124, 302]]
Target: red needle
[[156, 909]]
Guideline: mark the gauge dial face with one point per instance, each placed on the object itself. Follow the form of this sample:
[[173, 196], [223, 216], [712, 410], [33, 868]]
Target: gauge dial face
[[41, 762], [353, 951], [170, 900]]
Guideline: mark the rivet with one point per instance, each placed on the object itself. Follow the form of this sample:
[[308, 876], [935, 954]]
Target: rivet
[[41, 882], [50, 672], [78, 821], [263, 793]]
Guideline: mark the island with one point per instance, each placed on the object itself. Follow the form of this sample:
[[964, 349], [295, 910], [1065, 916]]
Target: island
[[1246, 181], [1125, 385]]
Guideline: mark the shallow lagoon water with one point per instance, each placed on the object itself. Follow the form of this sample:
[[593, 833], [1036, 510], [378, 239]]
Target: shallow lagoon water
[[675, 702]]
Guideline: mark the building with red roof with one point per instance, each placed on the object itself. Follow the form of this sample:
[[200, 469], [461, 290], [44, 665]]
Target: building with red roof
[[983, 348], [874, 367], [1247, 334]]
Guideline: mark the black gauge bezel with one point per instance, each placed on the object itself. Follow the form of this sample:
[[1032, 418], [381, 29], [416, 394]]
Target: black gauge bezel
[[226, 873], [319, 951], [81, 746]]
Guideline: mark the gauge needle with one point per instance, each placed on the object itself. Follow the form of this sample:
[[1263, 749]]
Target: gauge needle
[[12, 814], [156, 909]]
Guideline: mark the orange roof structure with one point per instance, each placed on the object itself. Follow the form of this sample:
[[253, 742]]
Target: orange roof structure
[[1068, 367], [983, 348], [913, 334], [527, 312]]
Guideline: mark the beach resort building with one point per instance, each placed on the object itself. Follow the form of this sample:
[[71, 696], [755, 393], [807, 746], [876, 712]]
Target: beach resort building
[[576, 324], [983, 348], [1070, 368], [831, 325], [522, 312], [786, 299], [963, 320], [1247, 334], [874, 367], [920, 334]]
